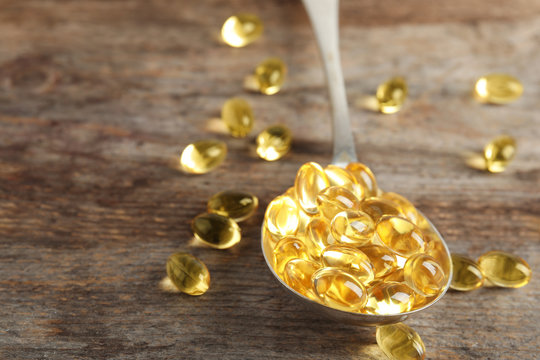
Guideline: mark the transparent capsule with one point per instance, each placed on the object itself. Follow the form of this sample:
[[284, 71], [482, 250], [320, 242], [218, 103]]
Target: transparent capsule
[[498, 89], [403, 205], [466, 275], [396, 276], [437, 250], [216, 231], [400, 342], [288, 248], [274, 142], [349, 259], [376, 208], [237, 115], [499, 152], [202, 156], [281, 217], [338, 176], [339, 289], [365, 178], [241, 29], [237, 205], [504, 269], [309, 182], [424, 275], [385, 298], [382, 259], [297, 274], [188, 273], [400, 235], [318, 237], [270, 75], [391, 95], [335, 199], [352, 227]]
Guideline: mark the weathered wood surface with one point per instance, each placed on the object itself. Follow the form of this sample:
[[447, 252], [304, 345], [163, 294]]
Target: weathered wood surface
[[97, 96]]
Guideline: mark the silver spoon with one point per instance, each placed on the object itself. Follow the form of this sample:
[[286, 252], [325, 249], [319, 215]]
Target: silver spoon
[[324, 19]]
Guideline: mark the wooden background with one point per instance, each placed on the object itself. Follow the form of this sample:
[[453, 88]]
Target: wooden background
[[96, 98]]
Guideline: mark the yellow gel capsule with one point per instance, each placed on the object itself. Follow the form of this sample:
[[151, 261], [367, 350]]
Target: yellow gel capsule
[[349, 259], [318, 237], [499, 152], [237, 115], [338, 176], [466, 274], [400, 342], [309, 182], [335, 199], [424, 275], [376, 208], [352, 227], [281, 217], [297, 274], [236, 205], [498, 89], [274, 142], [188, 273], [504, 269], [385, 298], [202, 156], [382, 259], [400, 235], [270, 75], [403, 205], [216, 231], [391, 95], [241, 29], [396, 276], [339, 289], [286, 249], [365, 178]]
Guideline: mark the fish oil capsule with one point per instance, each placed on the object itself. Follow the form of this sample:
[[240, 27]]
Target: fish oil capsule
[[281, 217], [499, 152], [339, 289], [241, 29], [498, 89], [188, 273], [309, 182], [338, 176], [466, 274], [424, 275], [286, 249], [385, 298], [318, 237], [400, 342], [297, 274], [274, 142], [202, 156], [236, 205], [237, 115], [352, 227], [382, 259], [216, 231], [436, 249], [396, 276], [400, 235], [391, 95], [349, 259], [335, 199], [404, 206], [504, 269], [270, 75], [376, 208], [365, 178]]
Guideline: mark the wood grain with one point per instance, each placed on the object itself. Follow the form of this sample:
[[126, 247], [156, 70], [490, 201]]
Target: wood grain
[[96, 98]]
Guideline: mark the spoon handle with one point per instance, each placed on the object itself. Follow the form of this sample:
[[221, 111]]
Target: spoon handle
[[324, 19]]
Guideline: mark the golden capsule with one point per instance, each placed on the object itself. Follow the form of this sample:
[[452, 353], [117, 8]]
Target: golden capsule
[[318, 237], [400, 235], [424, 275], [237, 115], [498, 89], [466, 274], [396, 276], [274, 142], [236, 205], [241, 29], [339, 289], [270, 75], [499, 152], [382, 259], [335, 199], [188, 273], [400, 342], [216, 231], [385, 298], [504, 269], [338, 176], [202, 156], [309, 182], [365, 178], [286, 249], [297, 274], [391, 95], [352, 227], [349, 259], [376, 208], [403, 205], [281, 217]]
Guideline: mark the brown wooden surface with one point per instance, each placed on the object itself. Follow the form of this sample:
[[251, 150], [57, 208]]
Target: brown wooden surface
[[97, 96]]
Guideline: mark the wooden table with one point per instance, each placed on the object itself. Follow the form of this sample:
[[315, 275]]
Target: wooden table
[[96, 97]]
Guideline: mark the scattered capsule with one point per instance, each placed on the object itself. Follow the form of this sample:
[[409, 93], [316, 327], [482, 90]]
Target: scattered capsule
[[274, 142], [188, 273], [376, 208], [498, 89], [382, 258], [352, 227], [236, 205], [202, 156], [400, 342], [400, 235], [281, 217], [237, 115], [364, 176], [499, 152], [309, 182], [403, 205], [504, 269], [318, 237], [391, 95], [339, 289], [216, 231], [338, 176], [270, 75], [297, 274], [335, 199], [286, 249], [241, 29], [349, 259], [466, 274], [385, 298], [424, 275]]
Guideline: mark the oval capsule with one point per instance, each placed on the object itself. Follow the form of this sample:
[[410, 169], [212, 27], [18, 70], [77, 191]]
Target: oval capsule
[[339, 289], [400, 342], [352, 227], [286, 249], [504, 269], [318, 237], [385, 298], [309, 182], [499, 152], [281, 217], [424, 275], [335, 199], [237, 115], [466, 274], [403, 205], [349, 259], [298, 273], [376, 208], [400, 235], [202, 156], [270, 75], [365, 178], [188, 273], [241, 29], [216, 231], [338, 176], [382, 258], [274, 142], [391, 95], [237, 205], [498, 89]]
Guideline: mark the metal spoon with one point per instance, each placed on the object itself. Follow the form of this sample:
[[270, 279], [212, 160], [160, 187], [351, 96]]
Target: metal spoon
[[324, 19]]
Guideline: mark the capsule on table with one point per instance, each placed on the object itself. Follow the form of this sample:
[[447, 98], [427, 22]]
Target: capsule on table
[[498, 89], [318, 237], [288, 248], [270, 75], [274, 142], [382, 258], [237, 205], [188, 273], [400, 235], [466, 274], [403, 205], [400, 342], [365, 178], [309, 182], [391, 95], [238, 117], [338, 176], [339, 289], [385, 298], [335, 199], [377, 207], [424, 275], [217, 231], [241, 29], [281, 217], [499, 152], [352, 227], [349, 259], [504, 269], [202, 156], [298, 273]]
